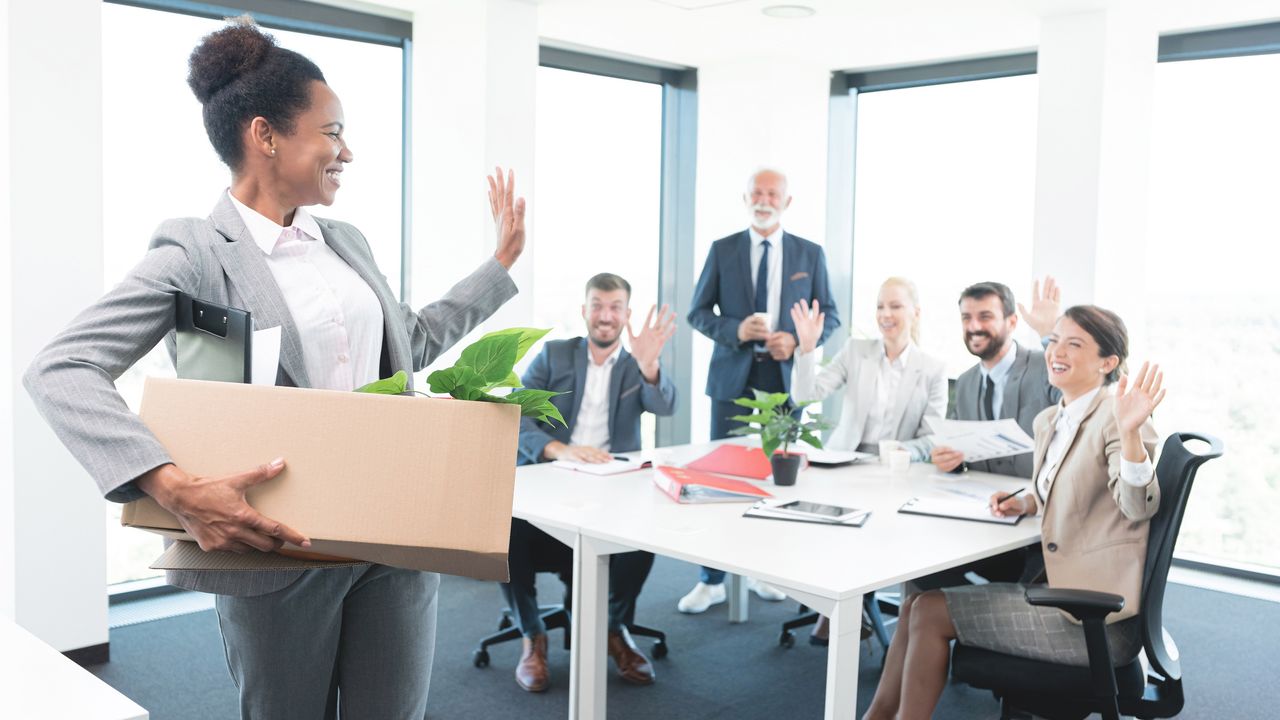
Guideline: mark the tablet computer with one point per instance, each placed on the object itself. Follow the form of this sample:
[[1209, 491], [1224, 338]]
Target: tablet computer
[[831, 513]]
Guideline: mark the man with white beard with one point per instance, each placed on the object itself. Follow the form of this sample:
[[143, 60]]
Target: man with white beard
[[749, 282]]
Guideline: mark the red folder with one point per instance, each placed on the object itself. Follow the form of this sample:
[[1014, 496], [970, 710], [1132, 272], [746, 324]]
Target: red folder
[[690, 486], [738, 460]]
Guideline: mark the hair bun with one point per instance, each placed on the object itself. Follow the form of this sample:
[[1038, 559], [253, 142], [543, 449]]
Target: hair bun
[[225, 55]]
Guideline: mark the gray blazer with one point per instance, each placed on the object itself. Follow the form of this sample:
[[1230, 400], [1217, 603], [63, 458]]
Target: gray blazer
[[1026, 392], [562, 366], [215, 259]]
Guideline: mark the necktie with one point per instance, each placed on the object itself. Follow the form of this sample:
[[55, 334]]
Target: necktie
[[988, 398], [762, 280]]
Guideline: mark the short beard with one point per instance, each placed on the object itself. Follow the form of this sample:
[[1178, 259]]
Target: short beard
[[995, 344], [602, 343]]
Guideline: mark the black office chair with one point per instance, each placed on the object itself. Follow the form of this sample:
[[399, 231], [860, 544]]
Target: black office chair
[[873, 611], [555, 617], [1062, 692]]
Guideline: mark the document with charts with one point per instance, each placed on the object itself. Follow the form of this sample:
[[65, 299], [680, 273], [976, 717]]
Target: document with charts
[[981, 439]]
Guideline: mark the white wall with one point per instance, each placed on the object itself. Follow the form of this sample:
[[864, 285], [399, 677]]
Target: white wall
[[57, 579], [754, 113], [7, 303]]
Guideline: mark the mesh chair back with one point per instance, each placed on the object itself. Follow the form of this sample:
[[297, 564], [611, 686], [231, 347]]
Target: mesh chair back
[[1175, 472]]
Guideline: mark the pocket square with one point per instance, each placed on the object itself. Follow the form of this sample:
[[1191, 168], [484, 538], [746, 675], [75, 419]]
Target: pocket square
[[799, 276], [628, 391]]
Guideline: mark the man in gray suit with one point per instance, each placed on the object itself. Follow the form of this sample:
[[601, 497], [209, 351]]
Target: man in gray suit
[[1009, 381], [604, 391]]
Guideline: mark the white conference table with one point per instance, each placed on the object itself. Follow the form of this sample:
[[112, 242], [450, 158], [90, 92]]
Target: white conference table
[[826, 568], [37, 681]]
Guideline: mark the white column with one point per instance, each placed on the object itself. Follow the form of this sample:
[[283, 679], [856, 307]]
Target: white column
[[474, 69], [53, 562], [756, 112], [1096, 71]]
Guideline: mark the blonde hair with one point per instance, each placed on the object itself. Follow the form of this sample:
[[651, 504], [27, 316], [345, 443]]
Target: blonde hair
[[914, 295]]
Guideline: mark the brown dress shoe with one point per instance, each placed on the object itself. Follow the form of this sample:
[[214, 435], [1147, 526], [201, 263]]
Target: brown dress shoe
[[632, 665], [532, 673]]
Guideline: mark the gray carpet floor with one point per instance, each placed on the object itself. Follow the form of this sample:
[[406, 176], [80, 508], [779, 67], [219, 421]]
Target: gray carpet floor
[[176, 669]]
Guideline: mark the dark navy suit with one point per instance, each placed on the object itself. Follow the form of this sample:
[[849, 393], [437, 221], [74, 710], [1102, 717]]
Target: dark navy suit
[[562, 366]]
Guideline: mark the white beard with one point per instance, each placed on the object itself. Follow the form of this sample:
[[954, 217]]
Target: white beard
[[774, 216]]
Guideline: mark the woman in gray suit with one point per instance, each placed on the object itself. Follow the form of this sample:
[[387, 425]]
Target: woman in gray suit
[[890, 385], [300, 643], [1095, 489]]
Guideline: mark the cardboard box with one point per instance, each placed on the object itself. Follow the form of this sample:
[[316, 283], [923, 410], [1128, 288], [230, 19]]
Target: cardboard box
[[413, 482]]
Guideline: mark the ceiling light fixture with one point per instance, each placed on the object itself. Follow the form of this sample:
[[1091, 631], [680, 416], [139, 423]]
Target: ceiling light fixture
[[788, 11]]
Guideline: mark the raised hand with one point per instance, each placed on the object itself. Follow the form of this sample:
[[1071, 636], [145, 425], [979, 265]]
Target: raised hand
[[1137, 399], [1045, 306], [809, 322], [646, 347], [508, 217]]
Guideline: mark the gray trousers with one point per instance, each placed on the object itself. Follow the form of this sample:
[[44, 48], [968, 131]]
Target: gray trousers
[[355, 642]]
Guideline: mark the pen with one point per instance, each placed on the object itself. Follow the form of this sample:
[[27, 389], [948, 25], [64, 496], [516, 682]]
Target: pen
[[1015, 493], [623, 459]]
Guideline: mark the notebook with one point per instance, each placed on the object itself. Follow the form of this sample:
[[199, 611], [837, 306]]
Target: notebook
[[977, 511], [613, 467]]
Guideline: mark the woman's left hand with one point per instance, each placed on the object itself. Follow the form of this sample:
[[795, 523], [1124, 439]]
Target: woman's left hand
[[508, 216], [1137, 399]]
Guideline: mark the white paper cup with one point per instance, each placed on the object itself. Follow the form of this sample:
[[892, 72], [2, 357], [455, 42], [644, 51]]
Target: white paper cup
[[899, 461], [768, 319], [886, 448]]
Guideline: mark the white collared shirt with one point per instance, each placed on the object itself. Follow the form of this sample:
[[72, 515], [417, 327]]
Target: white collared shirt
[[1064, 426], [591, 426], [999, 378], [337, 314], [774, 302], [888, 379]]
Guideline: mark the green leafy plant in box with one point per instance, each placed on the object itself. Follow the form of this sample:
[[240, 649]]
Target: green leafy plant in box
[[484, 366]]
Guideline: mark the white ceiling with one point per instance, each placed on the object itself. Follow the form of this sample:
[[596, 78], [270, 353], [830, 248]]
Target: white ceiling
[[845, 34]]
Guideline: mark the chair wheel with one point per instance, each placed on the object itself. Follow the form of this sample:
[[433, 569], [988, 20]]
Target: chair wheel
[[659, 650], [787, 639], [480, 658], [504, 623]]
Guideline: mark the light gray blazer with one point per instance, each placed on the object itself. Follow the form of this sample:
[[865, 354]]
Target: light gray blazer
[[921, 394], [215, 259], [1026, 392]]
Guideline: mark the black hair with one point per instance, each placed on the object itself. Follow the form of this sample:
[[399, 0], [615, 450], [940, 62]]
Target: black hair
[[608, 282], [239, 73], [981, 290], [1108, 330]]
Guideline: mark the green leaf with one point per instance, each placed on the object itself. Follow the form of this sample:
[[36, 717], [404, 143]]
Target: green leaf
[[512, 380], [745, 430], [526, 339], [811, 439], [537, 404], [769, 445], [394, 385], [492, 358], [460, 381]]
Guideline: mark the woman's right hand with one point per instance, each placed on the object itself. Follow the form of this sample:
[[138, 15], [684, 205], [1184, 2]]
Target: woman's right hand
[[1003, 505], [214, 512], [809, 322], [508, 216]]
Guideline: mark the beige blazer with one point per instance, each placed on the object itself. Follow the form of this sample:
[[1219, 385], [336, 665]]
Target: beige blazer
[[1094, 526]]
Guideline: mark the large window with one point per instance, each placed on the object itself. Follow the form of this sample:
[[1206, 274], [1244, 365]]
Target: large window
[[158, 164], [1213, 305], [598, 179], [944, 196]]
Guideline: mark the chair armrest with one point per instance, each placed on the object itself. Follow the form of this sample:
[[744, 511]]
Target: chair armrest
[[1081, 604]]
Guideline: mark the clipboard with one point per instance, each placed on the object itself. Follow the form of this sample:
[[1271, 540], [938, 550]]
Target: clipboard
[[214, 341], [956, 510]]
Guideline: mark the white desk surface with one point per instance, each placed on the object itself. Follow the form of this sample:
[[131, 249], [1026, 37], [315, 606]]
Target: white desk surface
[[38, 682], [831, 562]]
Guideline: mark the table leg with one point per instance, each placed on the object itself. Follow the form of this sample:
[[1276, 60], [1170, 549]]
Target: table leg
[[590, 620], [842, 659], [736, 587]]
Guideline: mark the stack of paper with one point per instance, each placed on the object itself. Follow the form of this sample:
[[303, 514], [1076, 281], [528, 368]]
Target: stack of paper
[[981, 439], [613, 467]]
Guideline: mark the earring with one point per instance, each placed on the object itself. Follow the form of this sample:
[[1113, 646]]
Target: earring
[[273, 152]]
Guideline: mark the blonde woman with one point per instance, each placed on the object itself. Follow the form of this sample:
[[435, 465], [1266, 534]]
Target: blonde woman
[[890, 385]]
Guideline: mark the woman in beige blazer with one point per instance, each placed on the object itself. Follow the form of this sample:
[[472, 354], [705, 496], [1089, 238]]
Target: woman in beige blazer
[[1095, 488], [890, 385]]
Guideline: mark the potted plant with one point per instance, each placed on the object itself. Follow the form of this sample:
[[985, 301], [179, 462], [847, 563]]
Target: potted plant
[[484, 366], [776, 426]]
